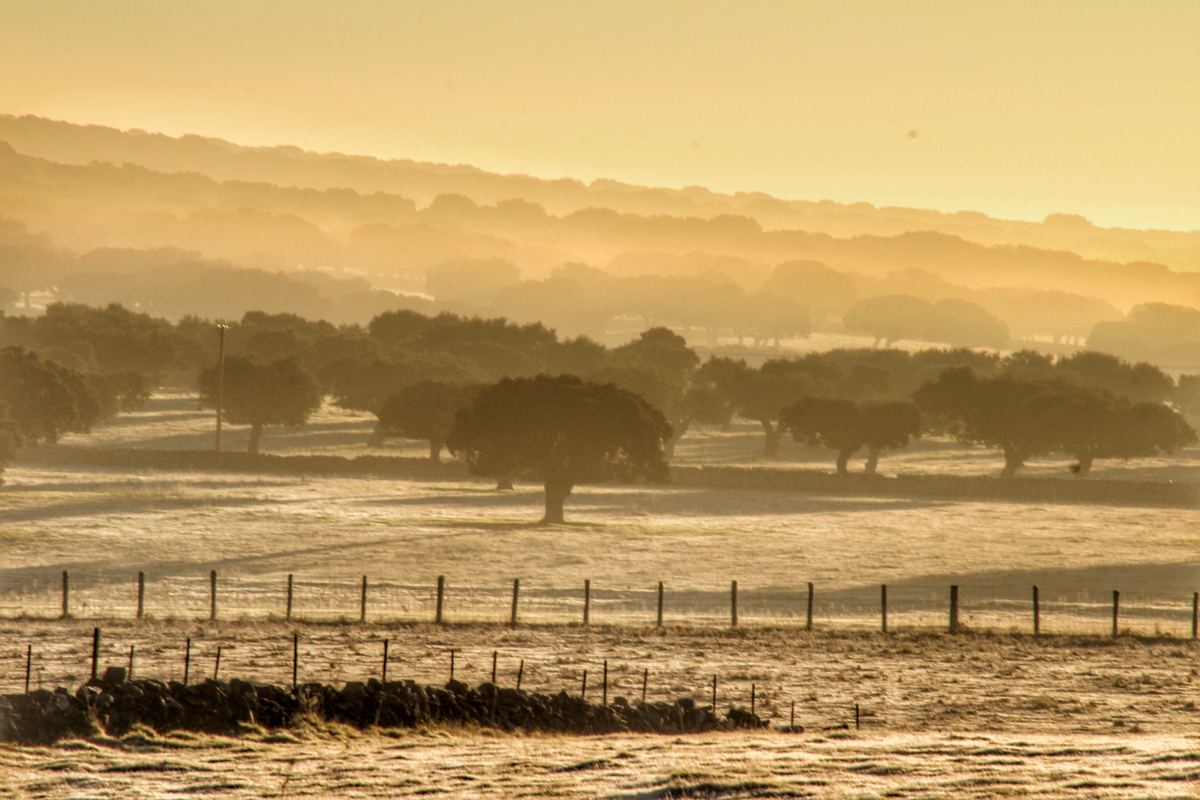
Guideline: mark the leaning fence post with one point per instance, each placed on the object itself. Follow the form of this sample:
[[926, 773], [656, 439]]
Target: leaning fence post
[[808, 621], [66, 594], [660, 605], [516, 594], [733, 605], [1037, 612], [362, 614], [95, 651], [217, 665], [520, 673], [587, 600], [141, 594], [883, 605], [645, 680], [288, 614], [212, 610], [441, 589], [1116, 612], [954, 609]]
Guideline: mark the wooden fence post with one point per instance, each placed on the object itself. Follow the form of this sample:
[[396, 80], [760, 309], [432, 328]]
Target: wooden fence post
[[95, 651], [714, 695], [441, 590], [217, 665], [383, 679], [362, 614], [883, 605], [1037, 612], [187, 661], [495, 654], [28, 665], [752, 699], [954, 609], [733, 609], [295, 660], [583, 688], [1195, 614], [66, 594], [520, 673], [515, 597], [129, 672], [288, 615], [1116, 613], [808, 620], [645, 680], [605, 695], [660, 605], [587, 600], [212, 610], [141, 594], [451, 663]]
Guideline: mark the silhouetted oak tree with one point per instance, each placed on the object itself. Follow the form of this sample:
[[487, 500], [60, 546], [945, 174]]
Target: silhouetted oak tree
[[847, 427], [562, 431], [425, 410], [278, 393], [44, 399]]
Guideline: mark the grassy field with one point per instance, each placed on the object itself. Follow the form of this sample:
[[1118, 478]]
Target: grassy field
[[992, 712]]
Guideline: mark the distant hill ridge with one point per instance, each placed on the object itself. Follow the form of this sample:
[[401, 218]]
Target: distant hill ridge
[[421, 182]]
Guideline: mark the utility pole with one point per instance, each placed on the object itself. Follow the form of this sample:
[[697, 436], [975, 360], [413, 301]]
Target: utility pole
[[220, 380]]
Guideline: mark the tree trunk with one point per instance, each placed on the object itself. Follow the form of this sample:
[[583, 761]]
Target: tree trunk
[[1013, 460], [255, 435], [842, 461], [774, 434], [376, 438], [435, 450], [872, 460], [503, 483], [557, 491], [1084, 466]]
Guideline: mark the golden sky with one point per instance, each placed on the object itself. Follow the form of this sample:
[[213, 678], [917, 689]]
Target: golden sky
[[1017, 109]]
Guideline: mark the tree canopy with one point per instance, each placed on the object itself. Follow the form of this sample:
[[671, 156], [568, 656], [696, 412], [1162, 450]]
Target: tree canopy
[[847, 427], [277, 393], [562, 431], [425, 410], [1024, 418], [44, 399]]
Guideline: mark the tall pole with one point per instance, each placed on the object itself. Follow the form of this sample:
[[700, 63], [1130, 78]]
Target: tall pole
[[220, 380]]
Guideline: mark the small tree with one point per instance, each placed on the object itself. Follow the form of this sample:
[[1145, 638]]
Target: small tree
[[425, 410], [847, 427], [562, 431], [278, 393]]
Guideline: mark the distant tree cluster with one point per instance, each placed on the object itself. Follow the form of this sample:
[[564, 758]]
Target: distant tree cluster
[[1029, 417]]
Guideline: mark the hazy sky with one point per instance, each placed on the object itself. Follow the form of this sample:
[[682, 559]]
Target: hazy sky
[[1013, 108]]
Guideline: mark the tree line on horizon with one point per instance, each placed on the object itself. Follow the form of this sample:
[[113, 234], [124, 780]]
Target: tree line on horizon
[[416, 373]]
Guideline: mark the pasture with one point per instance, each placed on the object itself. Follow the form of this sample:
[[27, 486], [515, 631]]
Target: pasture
[[988, 712]]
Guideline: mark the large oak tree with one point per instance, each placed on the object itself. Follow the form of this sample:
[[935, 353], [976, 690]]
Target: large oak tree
[[562, 431]]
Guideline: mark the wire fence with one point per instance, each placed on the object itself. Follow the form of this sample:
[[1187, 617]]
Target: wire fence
[[998, 607]]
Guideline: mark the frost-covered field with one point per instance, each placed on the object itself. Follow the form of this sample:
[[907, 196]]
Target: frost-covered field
[[977, 715]]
